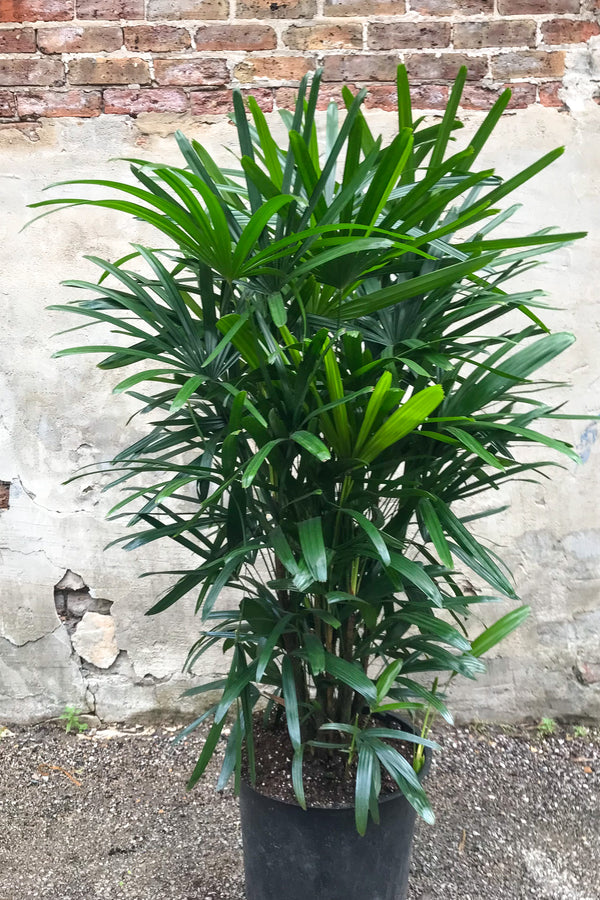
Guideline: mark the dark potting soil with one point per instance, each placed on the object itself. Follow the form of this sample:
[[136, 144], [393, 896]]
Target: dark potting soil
[[328, 779]]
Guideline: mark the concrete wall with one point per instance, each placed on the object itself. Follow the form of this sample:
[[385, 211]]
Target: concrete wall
[[55, 416]]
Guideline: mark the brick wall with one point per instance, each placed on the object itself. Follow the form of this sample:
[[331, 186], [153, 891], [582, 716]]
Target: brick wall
[[123, 57]]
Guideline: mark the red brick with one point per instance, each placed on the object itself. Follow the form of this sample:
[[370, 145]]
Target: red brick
[[17, 40], [511, 33], [276, 9], [360, 68], [31, 71], [77, 39], [273, 68], [382, 96], [479, 96], [36, 10], [532, 64], [4, 494], [7, 109], [549, 94], [537, 7], [103, 70], [131, 102], [214, 103], [364, 8], [423, 96], [156, 38], [408, 35], [430, 67], [323, 37], [236, 37], [449, 8], [329, 93], [211, 103], [110, 10], [191, 71], [187, 9], [52, 104], [568, 31]]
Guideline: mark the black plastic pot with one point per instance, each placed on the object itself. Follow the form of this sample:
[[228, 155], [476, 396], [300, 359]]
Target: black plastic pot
[[317, 854]]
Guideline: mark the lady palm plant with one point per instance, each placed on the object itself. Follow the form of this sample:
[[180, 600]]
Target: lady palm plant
[[335, 362]]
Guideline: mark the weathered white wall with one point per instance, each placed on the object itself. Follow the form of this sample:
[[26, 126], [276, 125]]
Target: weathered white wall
[[57, 415]]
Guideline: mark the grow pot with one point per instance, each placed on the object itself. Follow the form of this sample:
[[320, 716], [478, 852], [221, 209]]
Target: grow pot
[[317, 853]]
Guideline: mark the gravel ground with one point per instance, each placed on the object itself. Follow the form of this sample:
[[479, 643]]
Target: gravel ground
[[105, 814]]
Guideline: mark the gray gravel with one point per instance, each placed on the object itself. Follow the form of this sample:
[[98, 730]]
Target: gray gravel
[[106, 815]]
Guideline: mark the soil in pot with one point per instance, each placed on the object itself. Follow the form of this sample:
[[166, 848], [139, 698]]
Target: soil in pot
[[328, 780]]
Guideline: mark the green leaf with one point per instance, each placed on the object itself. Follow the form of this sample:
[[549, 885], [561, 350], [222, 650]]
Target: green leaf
[[313, 444], [326, 617], [255, 227], [414, 689], [246, 148], [315, 652], [283, 550], [371, 532], [363, 787], [447, 123], [387, 679], [405, 119], [396, 734], [443, 277], [267, 142], [232, 752], [436, 532], [386, 177], [335, 388], [297, 781], [239, 678], [353, 676], [415, 574], [405, 777], [291, 702], [207, 752], [267, 651], [251, 470], [149, 375], [403, 421], [472, 444], [372, 411], [185, 584], [477, 392], [310, 532], [185, 392], [536, 437], [499, 630], [277, 309], [429, 624], [237, 329], [471, 551]]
